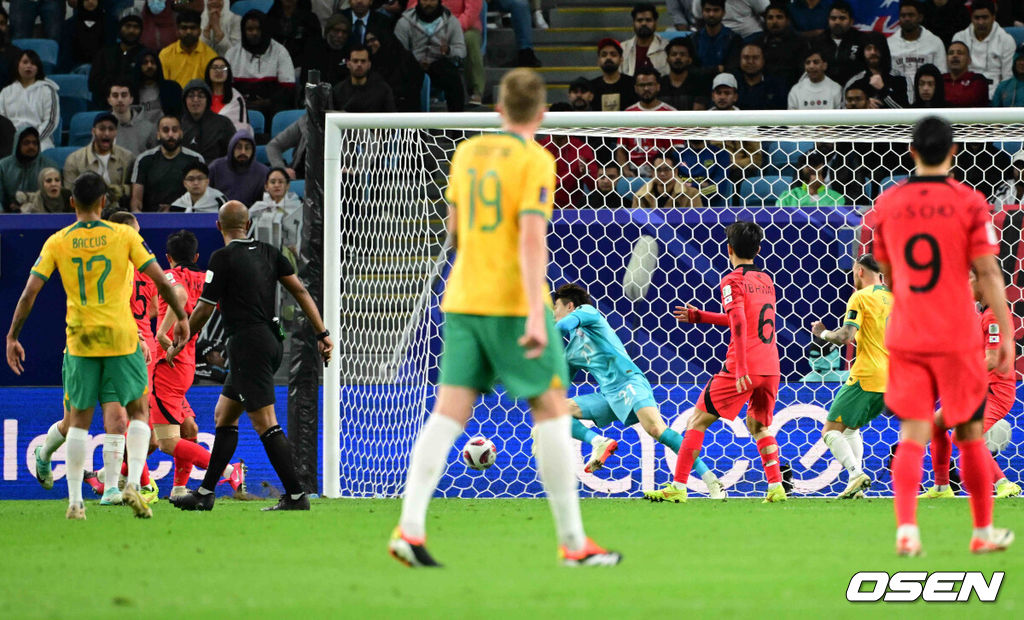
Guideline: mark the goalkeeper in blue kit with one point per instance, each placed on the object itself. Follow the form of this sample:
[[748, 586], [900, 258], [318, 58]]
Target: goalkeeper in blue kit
[[624, 396]]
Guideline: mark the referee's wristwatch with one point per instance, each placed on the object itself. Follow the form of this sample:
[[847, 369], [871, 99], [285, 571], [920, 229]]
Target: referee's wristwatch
[[323, 335]]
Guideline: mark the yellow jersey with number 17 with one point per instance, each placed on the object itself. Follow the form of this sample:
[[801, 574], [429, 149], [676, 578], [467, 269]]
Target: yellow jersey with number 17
[[868, 311], [97, 262], [494, 179]]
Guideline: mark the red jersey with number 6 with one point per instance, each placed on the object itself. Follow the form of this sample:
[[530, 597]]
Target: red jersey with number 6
[[750, 293], [192, 279], [930, 229]]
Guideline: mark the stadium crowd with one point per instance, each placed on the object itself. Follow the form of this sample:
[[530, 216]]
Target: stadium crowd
[[171, 103]]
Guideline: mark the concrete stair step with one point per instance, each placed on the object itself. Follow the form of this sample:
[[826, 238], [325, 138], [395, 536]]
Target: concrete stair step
[[565, 55], [505, 38], [591, 16], [552, 75]]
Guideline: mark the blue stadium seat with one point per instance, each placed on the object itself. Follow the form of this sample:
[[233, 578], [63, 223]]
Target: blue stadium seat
[[1017, 33], [672, 33], [72, 85], [69, 107], [59, 154], [283, 119], [787, 153], [627, 186], [1011, 147], [425, 94], [261, 154], [888, 182], [82, 69], [80, 127], [483, 35], [258, 121], [244, 6], [764, 190], [299, 187], [47, 49]]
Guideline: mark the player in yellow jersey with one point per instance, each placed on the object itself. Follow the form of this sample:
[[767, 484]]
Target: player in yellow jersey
[[862, 398], [103, 360], [499, 326]]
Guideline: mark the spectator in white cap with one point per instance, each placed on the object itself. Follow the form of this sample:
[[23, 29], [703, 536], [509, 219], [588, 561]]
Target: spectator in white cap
[[1011, 191], [724, 92], [815, 90]]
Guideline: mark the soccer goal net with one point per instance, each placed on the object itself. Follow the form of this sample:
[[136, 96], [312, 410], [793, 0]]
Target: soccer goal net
[[641, 207]]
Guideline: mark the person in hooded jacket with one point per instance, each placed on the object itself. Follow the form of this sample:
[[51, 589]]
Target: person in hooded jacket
[[117, 61], [435, 38], [32, 99], [929, 88], [19, 171], [7, 132], [238, 175], [293, 24], [329, 53], [83, 35], [399, 68], [883, 88], [262, 68], [157, 96], [1010, 92], [203, 130], [226, 100]]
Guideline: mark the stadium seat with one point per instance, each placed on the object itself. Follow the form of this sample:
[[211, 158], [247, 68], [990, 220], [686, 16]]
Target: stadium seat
[[69, 107], [889, 182], [425, 94], [627, 186], [483, 35], [1011, 147], [786, 154], [299, 187], [283, 119], [46, 48], [764, 190], [672, 33], [261, 154], [82, 69], [72, 85], [244, 6], [1017, 33], [258, 121], [80, 128], [59, 154]]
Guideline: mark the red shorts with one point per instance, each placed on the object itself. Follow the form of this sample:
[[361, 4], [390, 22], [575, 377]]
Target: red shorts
[[995, 410], [721, 399], [155, 353], [167, 404], [918, 380]]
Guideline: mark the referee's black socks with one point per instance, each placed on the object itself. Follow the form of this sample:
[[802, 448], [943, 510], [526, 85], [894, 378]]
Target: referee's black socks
[[225, 440], [279, 451]]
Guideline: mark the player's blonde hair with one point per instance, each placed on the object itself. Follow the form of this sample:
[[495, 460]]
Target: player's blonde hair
[[521, 94]]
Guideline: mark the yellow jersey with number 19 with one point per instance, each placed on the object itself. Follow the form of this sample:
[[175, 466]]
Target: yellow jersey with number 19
[[97, 262], [494, 179]]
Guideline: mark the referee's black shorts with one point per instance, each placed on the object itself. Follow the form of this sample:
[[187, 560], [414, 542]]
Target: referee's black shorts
[[254, 354]]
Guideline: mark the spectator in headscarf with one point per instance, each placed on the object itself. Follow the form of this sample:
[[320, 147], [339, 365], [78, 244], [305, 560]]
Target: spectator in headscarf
[[51, 197]]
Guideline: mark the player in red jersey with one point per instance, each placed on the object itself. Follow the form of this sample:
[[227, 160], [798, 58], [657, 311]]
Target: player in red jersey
[[169, 411], [929, 231], [751, 373], [1002, 392]]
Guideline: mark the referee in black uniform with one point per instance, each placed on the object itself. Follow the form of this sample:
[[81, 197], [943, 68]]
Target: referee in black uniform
[[242, 277]]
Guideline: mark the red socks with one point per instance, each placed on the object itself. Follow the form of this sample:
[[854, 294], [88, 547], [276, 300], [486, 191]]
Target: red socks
[[187, 453], [997, 471], [942, 450], [976, 471], [692, 442], [144, 479], [768, 448], [906, 478]]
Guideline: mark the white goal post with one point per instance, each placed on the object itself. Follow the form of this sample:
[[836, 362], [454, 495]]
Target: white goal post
[[386, 257]]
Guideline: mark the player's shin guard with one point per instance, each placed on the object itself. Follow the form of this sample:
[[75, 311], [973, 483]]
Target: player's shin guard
[[113, 458], [427, 463], [841, 449], [768, 448], [77, 447], [279, 451], [225, 440], [942, 450], [187, 453], [554, 464], [137, 447], [976, 471], [692, 442], [906, 478]]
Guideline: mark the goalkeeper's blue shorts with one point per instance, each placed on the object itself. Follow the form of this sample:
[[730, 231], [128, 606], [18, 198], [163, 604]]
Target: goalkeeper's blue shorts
[[620, 405]]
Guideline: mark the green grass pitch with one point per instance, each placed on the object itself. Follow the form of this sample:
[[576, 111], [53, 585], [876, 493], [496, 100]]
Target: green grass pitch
[[702, 559]]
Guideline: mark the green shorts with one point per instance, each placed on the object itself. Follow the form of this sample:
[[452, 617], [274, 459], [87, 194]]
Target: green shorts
[[91, 380], [480, 351], [854, 407]]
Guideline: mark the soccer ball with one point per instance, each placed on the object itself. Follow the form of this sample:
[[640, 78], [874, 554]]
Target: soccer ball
[[998, 436], [479, 452]]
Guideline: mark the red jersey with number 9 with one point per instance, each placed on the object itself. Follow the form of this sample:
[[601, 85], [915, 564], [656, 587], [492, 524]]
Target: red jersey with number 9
[[930, 229], [751, 292]]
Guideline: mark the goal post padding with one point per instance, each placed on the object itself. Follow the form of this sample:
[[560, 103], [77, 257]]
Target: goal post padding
[[388, 185]]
